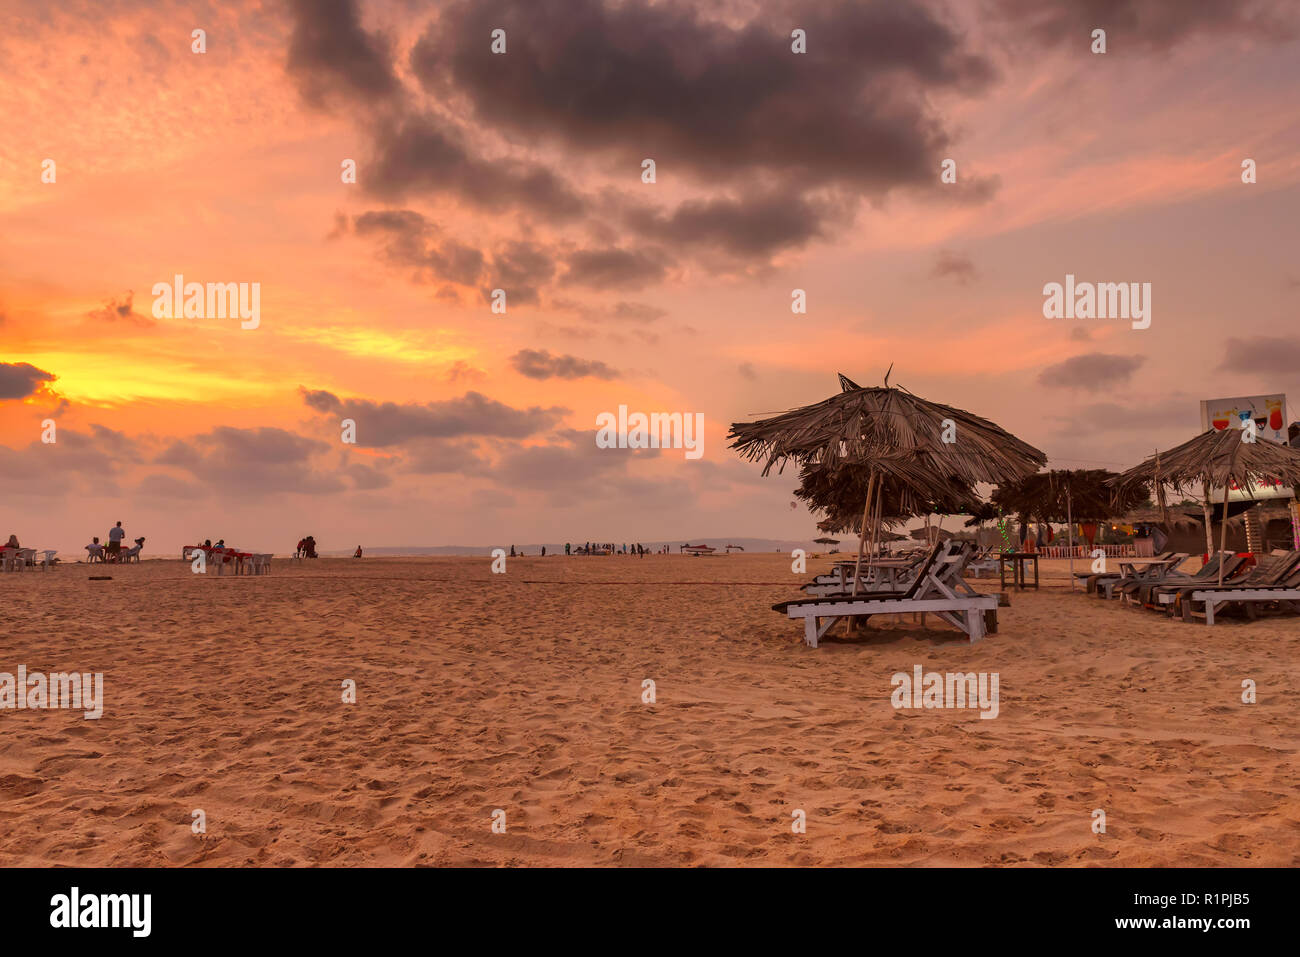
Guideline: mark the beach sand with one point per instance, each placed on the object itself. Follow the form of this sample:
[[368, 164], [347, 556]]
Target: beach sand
[[523, 692]]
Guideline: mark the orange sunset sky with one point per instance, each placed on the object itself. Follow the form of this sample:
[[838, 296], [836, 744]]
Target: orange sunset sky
[[523, 171]]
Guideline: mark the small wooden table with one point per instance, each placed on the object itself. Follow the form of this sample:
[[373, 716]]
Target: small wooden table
[[1017, 560]]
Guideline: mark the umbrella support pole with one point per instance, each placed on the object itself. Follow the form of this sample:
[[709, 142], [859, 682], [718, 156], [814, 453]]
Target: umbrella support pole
[[1069, 518], [862, 534], [1209, 531], [1223, 530]]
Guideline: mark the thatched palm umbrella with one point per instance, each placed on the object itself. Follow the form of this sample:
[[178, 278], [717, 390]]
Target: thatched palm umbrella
[[1212, 459], [896, 438], [1066, 494]]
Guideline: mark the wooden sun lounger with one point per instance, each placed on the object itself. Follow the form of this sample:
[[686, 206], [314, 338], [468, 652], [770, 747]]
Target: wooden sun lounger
[[1127, 583], [1092, 580], [1148, 593], [1273, 579], [934, 590], [835, 584]]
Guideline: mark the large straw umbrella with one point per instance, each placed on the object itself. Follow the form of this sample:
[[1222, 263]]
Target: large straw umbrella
[[1067, 495], [896, 438], [1213, 459]]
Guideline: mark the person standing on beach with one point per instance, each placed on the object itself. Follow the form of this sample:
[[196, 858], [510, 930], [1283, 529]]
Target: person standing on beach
[[115, 536]]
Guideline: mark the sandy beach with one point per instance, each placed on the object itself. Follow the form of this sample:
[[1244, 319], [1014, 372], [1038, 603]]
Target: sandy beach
[[522, 692]]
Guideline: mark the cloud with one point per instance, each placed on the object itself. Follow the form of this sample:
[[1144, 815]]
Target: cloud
[[18, 380], [461, 371], [746, 370], [330, 53], [541, 364], [1261, 354], [411, 241], [423, 155], [520, 268], [951, 265], [1093, 372], [433, 456], [620, 312], [78, 463], [715, 98], [366, 477], [751, 226], [1146, 25], [250, 463], [613, 267], [161, 486], [384, 424], [121, 310], [571, 461]]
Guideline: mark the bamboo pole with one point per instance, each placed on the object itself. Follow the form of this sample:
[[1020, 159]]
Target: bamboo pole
[[1209, 532], [1227, 484], [1069, 517], [862, 534], [1223, 532]]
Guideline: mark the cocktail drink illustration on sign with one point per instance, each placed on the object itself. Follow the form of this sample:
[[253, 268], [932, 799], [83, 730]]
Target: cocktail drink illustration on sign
[[1275, 414], [1266, 411]]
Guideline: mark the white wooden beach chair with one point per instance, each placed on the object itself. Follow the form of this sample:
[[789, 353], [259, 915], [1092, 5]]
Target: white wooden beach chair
[[937, 588]]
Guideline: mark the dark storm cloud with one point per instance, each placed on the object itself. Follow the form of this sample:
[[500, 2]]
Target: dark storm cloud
[[421, 155], [614, 268], [798, 139], [750, 226], [663, 80], [407, 239], [18, 380], [541, 364], [1093, 372], [330, 53], [1145, 24], [383, 424], [520, 268], [1261, 354]]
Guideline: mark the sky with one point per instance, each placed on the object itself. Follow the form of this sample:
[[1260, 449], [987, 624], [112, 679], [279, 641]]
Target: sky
[[128, 157]]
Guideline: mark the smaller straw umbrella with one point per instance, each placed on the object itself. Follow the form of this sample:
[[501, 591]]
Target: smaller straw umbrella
[[1067, 495], [1213, 459]]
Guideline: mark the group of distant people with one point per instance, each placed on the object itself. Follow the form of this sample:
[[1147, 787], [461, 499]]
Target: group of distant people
[[307, 548], [593, 548], [612, 548], [113, 551]]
